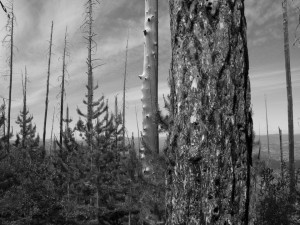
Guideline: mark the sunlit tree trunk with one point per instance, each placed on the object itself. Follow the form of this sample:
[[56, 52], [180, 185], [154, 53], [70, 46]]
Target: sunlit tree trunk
[[47, 88], [267, 126], [150, 85], [124, 92], [289, 98], [210, 146]]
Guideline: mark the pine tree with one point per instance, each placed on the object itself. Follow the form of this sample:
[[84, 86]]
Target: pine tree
[[210, 140], [94, 108], [24, 120]]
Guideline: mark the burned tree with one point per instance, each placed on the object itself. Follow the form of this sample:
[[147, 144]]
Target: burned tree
[[289, 98], [47, 88], [210, 140], [62, 92], [150, 84]]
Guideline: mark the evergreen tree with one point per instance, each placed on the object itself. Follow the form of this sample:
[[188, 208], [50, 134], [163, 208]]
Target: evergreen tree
[[24, 120], [210, 139]]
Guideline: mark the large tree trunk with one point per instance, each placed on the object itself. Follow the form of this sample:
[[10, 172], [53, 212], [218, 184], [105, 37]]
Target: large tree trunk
[[281, 152], [150, 84], [210, 145], [289, 98], [47, 88]]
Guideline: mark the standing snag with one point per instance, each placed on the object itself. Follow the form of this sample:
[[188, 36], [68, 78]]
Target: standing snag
[[47, 89], [150, 84], [210, 140], [289, 98]]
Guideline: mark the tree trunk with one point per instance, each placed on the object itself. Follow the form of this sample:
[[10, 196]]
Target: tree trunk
[[289, 98], [281, 153], [124, 91], [259, 145], [90, 77], [11, 74], [47, 88], [150, 85], [24, 133], [62, 92], [267, 124], [210, 146], [51, 140]]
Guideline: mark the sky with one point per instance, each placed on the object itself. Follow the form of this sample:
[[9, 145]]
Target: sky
[[113, 18]]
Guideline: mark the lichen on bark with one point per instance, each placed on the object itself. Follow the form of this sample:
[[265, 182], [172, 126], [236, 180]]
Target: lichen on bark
[[210, 140]]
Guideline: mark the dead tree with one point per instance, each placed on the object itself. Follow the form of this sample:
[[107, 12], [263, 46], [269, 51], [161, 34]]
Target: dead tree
[[267, 125], [47, 88], [124, 91], [289, 98], [150, 85], [62, 92], [210, 140], [10, 27], [281, 152]]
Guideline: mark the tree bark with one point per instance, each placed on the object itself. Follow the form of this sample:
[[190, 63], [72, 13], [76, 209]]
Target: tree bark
[[47, 89], [210, 140], [289, 99], [150, 85]]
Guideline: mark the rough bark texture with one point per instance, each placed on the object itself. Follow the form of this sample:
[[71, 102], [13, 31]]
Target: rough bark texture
[[47, 88], [150, 83], [289, 98], [210, 143]]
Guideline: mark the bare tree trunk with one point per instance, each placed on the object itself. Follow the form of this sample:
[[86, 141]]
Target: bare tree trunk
[[90, 78], [62, 93], [259, 146], [24, 130], [267, 124], [47, 88], [124, 91], [11, 74], [281, 153], [211, 135], [289, 99], [138, 130], [150, 86], [51, 140]]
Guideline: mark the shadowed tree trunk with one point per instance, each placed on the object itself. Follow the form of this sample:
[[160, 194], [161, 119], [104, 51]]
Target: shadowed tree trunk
[[210, 146], [47, 88], [289, 98], [281, 153]]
